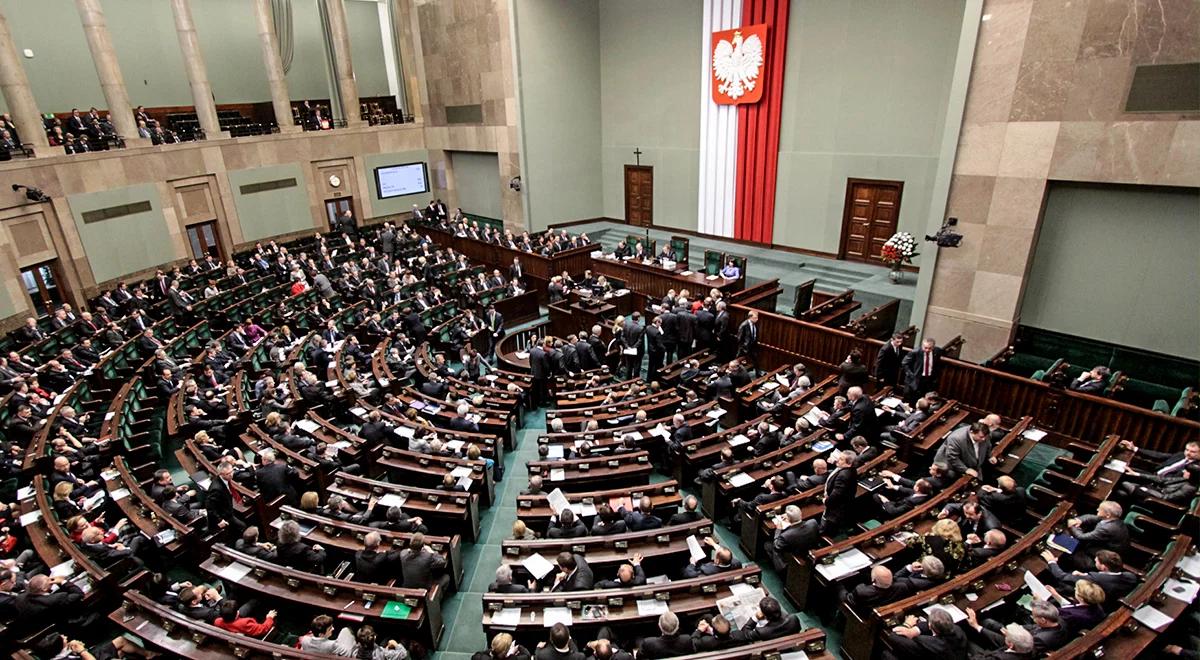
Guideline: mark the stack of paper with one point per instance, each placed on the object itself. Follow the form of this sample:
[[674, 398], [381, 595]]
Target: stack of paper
[[1114, 464], [738, 440], [1152, 618], [392, 499], [554, 452], [951, 609], [553, 615], [891, 402], [1191, 565], [715, 413], [695, 551], [740, 479], [509, 617], [307, 425], [1181, 590], [460, 472], [741, 608], [770, 385], [1034, 434], [558, 474], [844, 564], [651, 607], [455, 446], [557, 501]]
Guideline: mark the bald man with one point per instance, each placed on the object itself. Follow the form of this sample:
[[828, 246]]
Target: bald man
[[1005, 500], [722, 560], [881, 589]]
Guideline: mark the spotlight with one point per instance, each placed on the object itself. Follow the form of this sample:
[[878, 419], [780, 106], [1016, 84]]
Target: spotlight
[[31, 193], [946, 237]]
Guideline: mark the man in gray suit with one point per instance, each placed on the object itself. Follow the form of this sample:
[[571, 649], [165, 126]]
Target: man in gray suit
[[966, 450], [322, 285], [421, 566], [798, 537], [1102, 531]]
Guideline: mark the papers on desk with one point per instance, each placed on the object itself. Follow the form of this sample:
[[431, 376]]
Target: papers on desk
[[846, 563], [341, 444], [822, 446], [742, 589], [715, 413], [554, 452], [770, 385], [1039, 590], [1191, 565], [509, 617], [661, 432], [951, 609], [392, 499], [1152, 618], [307, 425], [24, 493], [474, 418], [738, 440], [234, 571], [553, 615], [891, 402], [404, 431], [1119, 466], [460, 472], [1034, 434], [813, 416], [793, 655], [686, 273], [117, 495], [164, 537], [712, 277], [384, 382], [465, 483], [557, 501], [65, 569], [651, 607], [558, 474], [740, 479], [454, 445], [30, 518], [695, 551], [657, 579], [537, 565], [358, 412], [331, 384], [522, 355], [1181, 590], [108, 416]]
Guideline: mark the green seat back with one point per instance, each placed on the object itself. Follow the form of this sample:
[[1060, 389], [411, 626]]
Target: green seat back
[[712, 262]]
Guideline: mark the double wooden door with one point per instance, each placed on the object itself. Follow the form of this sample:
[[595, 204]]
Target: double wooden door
[[870, 218], [639, 195]]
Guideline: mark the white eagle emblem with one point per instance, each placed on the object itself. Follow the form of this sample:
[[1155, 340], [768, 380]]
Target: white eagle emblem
[[737, 64]]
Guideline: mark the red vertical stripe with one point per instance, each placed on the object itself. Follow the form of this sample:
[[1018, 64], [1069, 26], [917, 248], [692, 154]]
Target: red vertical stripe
[[758, 129]]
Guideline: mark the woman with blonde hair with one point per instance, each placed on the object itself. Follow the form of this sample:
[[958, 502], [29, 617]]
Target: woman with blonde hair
[[945, 541], [502, 648], [522, 533], [1085, 610], [310, 501]]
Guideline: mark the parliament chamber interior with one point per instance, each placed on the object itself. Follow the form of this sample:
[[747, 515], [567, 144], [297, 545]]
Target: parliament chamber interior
[[599, 329]]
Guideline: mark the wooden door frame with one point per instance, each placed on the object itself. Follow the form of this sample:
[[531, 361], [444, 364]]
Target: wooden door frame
[[625, 184], [345, 198], [216, 225], [63, 291], [849, 204]]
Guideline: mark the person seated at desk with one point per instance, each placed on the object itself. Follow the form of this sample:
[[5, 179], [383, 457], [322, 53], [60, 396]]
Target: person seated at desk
[[715, 635], [623, 250], [1085, 609], [793, 536], [374, 565], [641, 517], [904, 499], [504, 582], [628, 576], [669, 642], [249, 544], [994, 542], [608, 522], [1109, 573], [573, 574], [395, 520], [667, 253], [1091, 382], [731, 270], [820, 472], [1104, 530], [231, 620], [566, 526], [601, 286], [503, 648], [925, 573], [880, 590], [722, 561], [939, 638], [770, 622], [1047, 630]]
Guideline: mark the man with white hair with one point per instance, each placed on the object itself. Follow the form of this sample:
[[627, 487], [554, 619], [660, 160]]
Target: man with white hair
[[669, 643], [863, 420], [793, 536], [939, 638], [461, 422], [276, 479], [1104, 530], [1047, 630], [504, 582]]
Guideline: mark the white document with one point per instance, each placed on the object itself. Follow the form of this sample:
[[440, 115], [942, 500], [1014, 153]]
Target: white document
[[341, 444], [65, 569], [695, 551], [509, 617], [558, 474], [1034, 434], [392, 499], [629, 351], [661, 432], [853, 559], [715, 413], [741, 588], [522, 355], [454, 446], [891, 402], [359, 412], [952, 610], [1191, 565], [553, 615], [1036, 587], [557, 501], [1114, 464], [460, 472], [686, 273], [405, 431], [234, 571], [30, 518], [1152, 618], [117, 495], [1178, 589], [738, 440], [651, 607], [813, 416], [331, 384], [781, 379], [658, 579], [770, 385], [27, 491], [537, 565], [307, 425], [554, 452], [108, 416], [793, 655], [465, 483], [740, 479]]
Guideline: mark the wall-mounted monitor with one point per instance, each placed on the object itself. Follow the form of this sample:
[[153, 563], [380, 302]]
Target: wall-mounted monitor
[[400, 180]]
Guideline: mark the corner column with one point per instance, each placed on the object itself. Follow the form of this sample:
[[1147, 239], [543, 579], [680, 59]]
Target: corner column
[[112, 83], [347, 87], [276, 80], [197, 72], [15, 86]]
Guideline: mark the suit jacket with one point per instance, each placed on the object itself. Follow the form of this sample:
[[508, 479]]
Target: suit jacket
[[1115, 585], [797, 538], [747, 337], [277, 479], [887, 363], [421, 569], [913, 367], [1095, 534], [840, 488], [960, 453], [924, 646], [867, 596], [666, 646], [375, 566], [639, 578], [580, 580], [863, 420], [756, 630], [539, 363], [300, 556], [47, 608]]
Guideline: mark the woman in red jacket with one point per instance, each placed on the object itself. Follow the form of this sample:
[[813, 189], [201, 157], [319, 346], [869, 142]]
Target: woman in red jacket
[[229, 620]]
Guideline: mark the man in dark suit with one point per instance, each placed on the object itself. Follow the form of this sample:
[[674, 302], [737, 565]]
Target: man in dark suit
[[494, 326], [770, 622], [642, 517], [1047, 630], [574, 574], [1006, 499], [920, 412], [888, 360], [1105, 530], [633, 339], [561, 646], [721, 334], [276, 478], [628, 576], [504, 582], [373, 565], [539, 368], [920, 369], [840, 488], [566, 526], [974, 520], [1168, 466], [1091, 382], [460, 422], [880, 590], [722, 560], [421, 565], [1108, 572], [690, 513], [939, 638], [797, 538], [863, 420], [903, 498], [655, 348], [669, 642], [219, 500], [705, 324], [38, 605], [585, 354], [747, 339]]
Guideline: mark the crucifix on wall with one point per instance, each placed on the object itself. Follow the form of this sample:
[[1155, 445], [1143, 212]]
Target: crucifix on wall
[[637, 152]]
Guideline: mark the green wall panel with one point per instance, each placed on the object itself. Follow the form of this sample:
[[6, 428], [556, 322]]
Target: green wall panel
[[477, 180], [274, 212], [122, 245]]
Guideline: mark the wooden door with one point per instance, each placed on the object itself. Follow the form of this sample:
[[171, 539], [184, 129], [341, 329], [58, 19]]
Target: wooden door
[[870, 218], [336, 207], [639, 195], [203, 240], [42, 283]]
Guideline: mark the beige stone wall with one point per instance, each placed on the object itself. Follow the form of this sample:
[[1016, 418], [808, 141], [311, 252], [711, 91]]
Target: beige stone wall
[[1046, 102], [192, 184]]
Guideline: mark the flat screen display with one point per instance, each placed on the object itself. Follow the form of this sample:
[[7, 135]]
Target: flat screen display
[[400, 180]]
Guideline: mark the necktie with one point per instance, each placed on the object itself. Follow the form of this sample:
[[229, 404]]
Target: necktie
[[237, 497], [1173, 467], [928, 364]]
